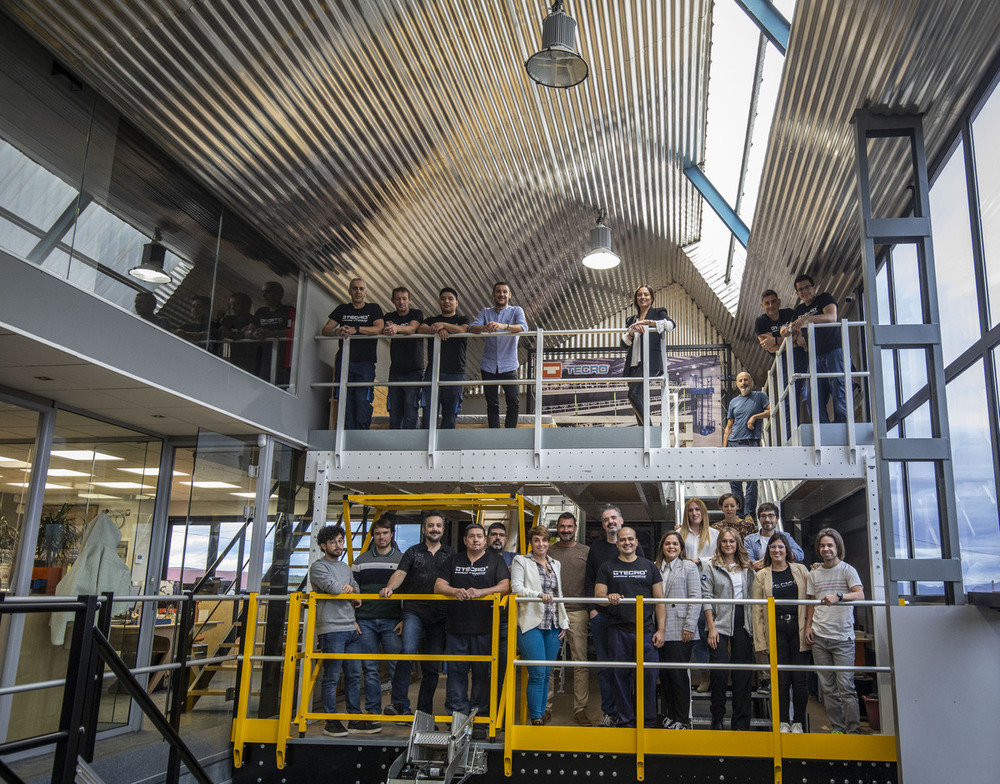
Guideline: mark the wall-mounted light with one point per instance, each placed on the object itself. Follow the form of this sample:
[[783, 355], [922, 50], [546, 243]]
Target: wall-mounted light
[[601, 256], [557, 64], [151, 268]]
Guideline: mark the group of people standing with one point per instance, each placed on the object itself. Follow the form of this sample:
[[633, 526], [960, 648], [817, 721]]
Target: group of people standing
[[407, 365], [694, 562]]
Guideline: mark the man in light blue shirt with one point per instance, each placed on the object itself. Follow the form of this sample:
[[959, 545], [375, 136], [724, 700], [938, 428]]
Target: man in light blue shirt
[[756, 544], [500, 354], [742, 430]]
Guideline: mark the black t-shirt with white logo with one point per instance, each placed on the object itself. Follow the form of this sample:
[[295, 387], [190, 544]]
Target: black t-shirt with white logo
[[630, 579], [783, 586], [827, 338], [365, 350], [474, 616], [764, 326]]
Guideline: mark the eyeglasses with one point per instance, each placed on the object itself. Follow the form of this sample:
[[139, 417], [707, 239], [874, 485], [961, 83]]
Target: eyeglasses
[[806, 287]]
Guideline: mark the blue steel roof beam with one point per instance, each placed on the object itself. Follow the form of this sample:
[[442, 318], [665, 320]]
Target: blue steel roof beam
[[770, 21], [715, 200]]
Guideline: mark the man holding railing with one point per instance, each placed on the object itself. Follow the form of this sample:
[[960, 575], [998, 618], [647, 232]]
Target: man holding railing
[[406, 360], [820, 309], [474, 574], [337, 631], [452, 363], [499, 361], [830, 629], [356, 317], [744, 424]]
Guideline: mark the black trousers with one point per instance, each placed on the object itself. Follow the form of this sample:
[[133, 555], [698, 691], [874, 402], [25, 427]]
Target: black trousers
[[737, 649], [675, 685]]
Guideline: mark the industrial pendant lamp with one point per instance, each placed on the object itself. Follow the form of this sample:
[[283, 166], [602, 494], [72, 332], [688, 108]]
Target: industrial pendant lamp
[[151, 268], [557, 64], [601, 256]]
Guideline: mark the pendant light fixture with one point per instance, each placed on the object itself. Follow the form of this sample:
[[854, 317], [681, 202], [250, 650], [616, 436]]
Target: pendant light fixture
[[557, 64], [151, 268], [601, 256]]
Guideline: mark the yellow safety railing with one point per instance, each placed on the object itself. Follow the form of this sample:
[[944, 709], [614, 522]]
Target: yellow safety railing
[[518, 735]]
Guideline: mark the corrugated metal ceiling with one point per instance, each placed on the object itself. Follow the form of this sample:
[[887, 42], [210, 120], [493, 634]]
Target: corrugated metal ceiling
[[402, 139]]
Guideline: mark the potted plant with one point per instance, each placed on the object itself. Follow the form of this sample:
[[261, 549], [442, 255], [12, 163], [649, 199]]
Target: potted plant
[[59, 535]]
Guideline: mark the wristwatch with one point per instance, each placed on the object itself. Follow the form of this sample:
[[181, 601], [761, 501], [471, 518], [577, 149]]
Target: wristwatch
[[840, 596]]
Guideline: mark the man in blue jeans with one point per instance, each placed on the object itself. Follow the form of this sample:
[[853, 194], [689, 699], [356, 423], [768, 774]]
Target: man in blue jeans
[[452, 363], [338, 632], [423, 622], [602, 551], [381, 622], [743, 430], [500, 354]]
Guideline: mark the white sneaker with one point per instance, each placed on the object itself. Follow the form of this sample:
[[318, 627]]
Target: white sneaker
[[797, 727], [784, 727], [609, 721]]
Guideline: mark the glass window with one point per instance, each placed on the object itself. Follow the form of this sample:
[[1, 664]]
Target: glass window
[[18, 427], [906, 286], [985, 132], [956, 280]]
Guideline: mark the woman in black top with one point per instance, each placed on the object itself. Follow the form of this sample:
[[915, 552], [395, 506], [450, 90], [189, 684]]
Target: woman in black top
[[649, 322]]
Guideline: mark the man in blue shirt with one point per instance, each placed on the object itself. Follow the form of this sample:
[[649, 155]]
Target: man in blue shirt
[[741, 430], [756, 543], [500, 354]]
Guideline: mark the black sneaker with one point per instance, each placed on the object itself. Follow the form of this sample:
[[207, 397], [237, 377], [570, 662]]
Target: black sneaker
[[364, 727], [335, 729], [397, 710], [480, 732]]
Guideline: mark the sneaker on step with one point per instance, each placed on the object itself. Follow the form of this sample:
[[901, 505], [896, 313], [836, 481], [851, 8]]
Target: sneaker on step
[[797, 727], [702, 687], [390, 710], [480, 732], [784, 727], [609, 720], [364, 727], [335, 729]]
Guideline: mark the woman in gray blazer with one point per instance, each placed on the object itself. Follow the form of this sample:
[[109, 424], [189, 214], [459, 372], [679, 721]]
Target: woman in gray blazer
[[680, 581]]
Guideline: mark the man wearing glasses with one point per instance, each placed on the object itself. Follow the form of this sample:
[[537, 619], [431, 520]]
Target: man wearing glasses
[[819, 309]]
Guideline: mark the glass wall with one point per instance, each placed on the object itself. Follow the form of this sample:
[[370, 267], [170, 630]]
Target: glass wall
[[86, 196]]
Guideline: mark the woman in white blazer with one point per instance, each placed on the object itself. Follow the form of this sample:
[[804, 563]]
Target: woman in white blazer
[[542, 625]]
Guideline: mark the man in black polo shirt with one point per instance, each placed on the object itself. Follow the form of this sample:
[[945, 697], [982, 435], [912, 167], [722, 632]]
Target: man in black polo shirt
[[447, 323], [473, 574], [357, 317], [601, 551], [768, 325], [417, 572], [820, 309], [407, 361], [627, 577]]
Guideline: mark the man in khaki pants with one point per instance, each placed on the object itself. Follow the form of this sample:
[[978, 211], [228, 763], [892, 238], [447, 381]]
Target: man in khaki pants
[[573, 557]]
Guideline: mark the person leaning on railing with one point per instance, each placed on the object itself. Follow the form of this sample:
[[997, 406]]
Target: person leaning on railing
[[783, 578], [540, 626], [649, 322]]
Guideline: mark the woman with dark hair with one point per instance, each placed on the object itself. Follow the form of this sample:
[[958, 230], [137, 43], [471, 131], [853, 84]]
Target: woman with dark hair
[[649, 322], [729, 576], [729, 504], [782, 578], [541, 626], [681, 580]]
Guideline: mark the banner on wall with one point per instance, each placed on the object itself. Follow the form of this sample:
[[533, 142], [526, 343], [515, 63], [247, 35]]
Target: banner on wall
[[594, 394]]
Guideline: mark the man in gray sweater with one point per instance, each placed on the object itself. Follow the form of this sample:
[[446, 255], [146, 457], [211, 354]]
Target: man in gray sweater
[[337, 631]]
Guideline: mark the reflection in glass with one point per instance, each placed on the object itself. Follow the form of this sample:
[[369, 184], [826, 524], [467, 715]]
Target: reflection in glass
[[985, 132], [956, 280], [975, 481], [906, 285]]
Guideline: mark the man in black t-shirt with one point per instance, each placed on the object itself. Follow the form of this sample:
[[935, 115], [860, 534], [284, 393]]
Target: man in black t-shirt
[[406, 361], [274, 326], [447, 323], [476, 573], [423, 622], [820, 309], [627, 577], [768, 326], [356, 318]]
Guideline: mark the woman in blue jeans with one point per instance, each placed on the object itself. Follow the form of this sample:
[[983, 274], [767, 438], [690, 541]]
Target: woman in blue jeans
[[541, 626]]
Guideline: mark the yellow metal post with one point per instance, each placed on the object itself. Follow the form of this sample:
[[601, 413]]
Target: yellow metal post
[[311, 667], [640, 694], [347, 531], [286, 697], [509, 684], [494, 660], [243, 700], [772, 657]]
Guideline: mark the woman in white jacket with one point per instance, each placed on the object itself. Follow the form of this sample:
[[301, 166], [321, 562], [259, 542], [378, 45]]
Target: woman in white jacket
[[540, 625]]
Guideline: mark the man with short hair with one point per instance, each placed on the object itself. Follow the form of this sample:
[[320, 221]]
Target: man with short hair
[[830, 629], [602, 551], [476, 573], [627, 577], [496, 540], [452, 365], [274, 326], [406, 361], [423, 621], [743, 430], [820, 309], [756, 543], [573, 557], [380, 622], [499, 361], [145, 307], [768, 325], [356, 317], [337, 631]]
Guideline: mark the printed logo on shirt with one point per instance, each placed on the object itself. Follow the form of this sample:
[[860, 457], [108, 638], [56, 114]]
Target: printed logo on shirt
[[471, 570], [628, 574]]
